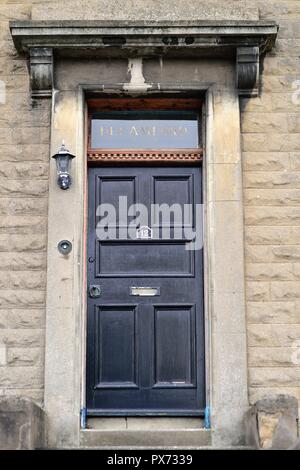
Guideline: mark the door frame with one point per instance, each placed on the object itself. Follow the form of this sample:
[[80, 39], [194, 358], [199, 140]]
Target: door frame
[[201, 370], [226, 358]]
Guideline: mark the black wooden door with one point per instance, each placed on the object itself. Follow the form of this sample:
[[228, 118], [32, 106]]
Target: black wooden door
[[145, 353]]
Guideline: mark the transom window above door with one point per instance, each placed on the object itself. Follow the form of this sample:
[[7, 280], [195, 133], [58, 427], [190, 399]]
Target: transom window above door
[[145, 129]]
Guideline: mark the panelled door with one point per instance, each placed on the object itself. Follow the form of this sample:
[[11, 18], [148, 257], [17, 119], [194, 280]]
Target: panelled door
[[145, 344]]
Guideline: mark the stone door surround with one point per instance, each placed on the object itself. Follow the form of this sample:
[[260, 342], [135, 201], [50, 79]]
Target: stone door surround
[[234, 50]]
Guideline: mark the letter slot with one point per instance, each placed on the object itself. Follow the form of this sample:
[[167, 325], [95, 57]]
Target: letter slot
[[145, 291]]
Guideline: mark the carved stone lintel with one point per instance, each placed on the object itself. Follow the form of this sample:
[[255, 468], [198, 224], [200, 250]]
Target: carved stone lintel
[[41, 72], [246, 40], [247, 70]]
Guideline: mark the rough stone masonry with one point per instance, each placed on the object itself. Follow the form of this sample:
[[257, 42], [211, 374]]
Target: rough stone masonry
[[271, 179]]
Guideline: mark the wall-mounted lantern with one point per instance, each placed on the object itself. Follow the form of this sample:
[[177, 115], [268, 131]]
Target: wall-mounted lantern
[[63, 164]]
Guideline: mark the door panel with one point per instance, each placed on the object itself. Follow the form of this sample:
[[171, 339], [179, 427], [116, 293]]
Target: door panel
[[145, 354], [143, 259], [115, 346], [174, 335]]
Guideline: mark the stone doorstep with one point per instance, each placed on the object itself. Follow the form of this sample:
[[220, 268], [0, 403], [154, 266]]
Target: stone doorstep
[[138, 439]]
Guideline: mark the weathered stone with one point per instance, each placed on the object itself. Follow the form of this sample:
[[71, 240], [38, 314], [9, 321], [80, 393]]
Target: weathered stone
[[285, 290], [258, 291], [259, 161], [23, 188], [28, 135], [265, 180], [285, 102], [270, 357], [276, 65], [28, 170], [272, 312], [264, 122], [272, 197], [25, 357], [29, 152], [35, 395], [256, 104], [29, 337], [256, 235], [23, 206], [20, 11], [272, 423], [23, 225], [22, 261], [12, 243], [22, 298], [22, 318], [269, 272], [146, 9], [268, 335], [278, 216], [260, 393], [285, 253], [295, 161], [21, 377], [296, 270], [21, 425], [22, 280], [274, 376]]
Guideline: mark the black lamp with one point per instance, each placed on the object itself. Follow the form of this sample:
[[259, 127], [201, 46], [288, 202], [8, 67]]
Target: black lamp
[[63, 163]]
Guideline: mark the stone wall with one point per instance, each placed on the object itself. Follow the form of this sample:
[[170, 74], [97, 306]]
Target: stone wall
[[271, 163], [24, 155]]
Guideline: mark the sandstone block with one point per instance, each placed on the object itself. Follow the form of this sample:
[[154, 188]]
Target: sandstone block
[[285, 290], [257, 104], [257, 291], [272, 312], [21, 377], [23, 280], [268, 161], [28, 135], [21, 424], [272, 215], [22, 298], [269, 272], [31, 338], [22, 261], [12, 243], [285, 253], [23, 206], [20, 12], [270, 357], [295, 161], [285, 102], [274, 376], [28, 170], [23, 225], [264, 122], [276, 335], [270, 236], [272, 423], [25, 357], [255, 143], [272, 197], [22, 318], [28, 152], [269, 180], [258, 254], [23, 188]]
